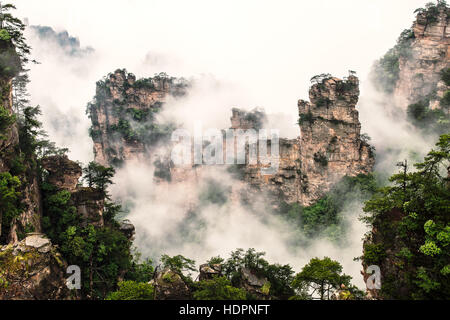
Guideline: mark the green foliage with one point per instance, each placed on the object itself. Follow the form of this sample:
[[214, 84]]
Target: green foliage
[[321, 159], [219, 288], [373, 254], [321, 278], [345, 86], [102, 253], [4, 35], [60, 214], [432, 10], [306, 118], [412, 219], [140, 271], [131, 290], [432, 121], [324, 218], [387, 68], [445, 76], [145, 83], [14, 27], [178, 264], [125, 129], [445, 101], [30, 131], [98, 176], [10, 203], [162, 169], [215, 260], [138, 114], [6, 121], [279, 276]]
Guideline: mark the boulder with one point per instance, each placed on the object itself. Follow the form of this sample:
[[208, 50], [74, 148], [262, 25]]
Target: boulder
[[207, 272], [169, 285], [32, 269]]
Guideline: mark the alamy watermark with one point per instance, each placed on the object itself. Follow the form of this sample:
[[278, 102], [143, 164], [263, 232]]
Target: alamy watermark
[[232, 146], [374, 281], [74, 281]]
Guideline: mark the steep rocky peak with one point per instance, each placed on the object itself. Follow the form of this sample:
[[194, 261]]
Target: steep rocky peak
[[123, 114], [63, 172], [422, 57], [331, 99], [334, 89], [331, 146]]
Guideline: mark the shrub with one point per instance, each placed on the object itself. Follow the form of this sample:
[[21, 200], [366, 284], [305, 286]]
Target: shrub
[[131, 290], [321, 159], [219, 288], [306, 117], [6, 120], [4, 35], [373, 254]]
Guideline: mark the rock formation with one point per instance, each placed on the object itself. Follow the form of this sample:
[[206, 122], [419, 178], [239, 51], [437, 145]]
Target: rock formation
[[331, 146], [10, 155], [169, 285], [123, 111], [32, 269], [64, 174], [429, 53], [208, 272], [329, 149]]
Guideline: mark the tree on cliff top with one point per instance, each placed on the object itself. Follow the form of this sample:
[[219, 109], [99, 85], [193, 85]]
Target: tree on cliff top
[[412, 219], [15, 28], [322, 278], [98, 176]]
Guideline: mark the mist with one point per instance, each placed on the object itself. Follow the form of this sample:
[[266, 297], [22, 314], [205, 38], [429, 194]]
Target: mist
[[245, 55]]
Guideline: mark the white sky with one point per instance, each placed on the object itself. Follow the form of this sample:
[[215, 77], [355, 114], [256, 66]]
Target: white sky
[[274, 44]]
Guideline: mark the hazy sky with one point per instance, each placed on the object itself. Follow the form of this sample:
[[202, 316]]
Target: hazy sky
[[272, 48]]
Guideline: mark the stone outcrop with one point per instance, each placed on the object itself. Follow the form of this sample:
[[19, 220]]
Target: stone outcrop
[[122, 109], [29, 218], [255, 119], [90, 205], [170, 286], [284, 185], [208, 272], [128, 229], [32, 269], [331, 146], [254, 284], [429, 53], [63, 173]]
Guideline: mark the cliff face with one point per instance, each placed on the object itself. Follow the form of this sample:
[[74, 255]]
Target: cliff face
[[284, 185], [331, 146], [329, 149], [419, 70], [10, 154], [32, 270], [123, 112], [64, 174]]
